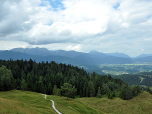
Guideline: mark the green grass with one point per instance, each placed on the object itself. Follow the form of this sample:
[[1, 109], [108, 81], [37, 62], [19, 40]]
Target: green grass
[[138, 105], [18, 102], [24, 102]]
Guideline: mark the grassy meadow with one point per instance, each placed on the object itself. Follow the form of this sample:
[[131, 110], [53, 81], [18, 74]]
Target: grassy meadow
[[24, 102]]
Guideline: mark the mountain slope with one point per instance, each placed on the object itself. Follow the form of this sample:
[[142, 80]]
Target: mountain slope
[[102, 58], [119, 55], [143, 55], [34, 103], [91, 58], [6, 55], [144, 59], [142, 78], [75, 58], [33, 51]]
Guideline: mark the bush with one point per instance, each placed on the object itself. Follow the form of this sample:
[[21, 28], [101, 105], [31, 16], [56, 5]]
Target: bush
[[111, 95], [136, 90], [150, 92], [126, 92], [117, 93], [148, 89]]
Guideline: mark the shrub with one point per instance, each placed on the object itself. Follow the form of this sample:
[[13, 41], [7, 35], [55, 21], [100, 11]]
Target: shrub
[[126, 92], [135, 90], [111, 95]]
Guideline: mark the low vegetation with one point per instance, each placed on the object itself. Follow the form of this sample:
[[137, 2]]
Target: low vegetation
[[16, 101], [19, 102]]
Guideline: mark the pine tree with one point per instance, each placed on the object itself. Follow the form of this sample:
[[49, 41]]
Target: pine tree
[[6, 79], [23, 85], [91, 89], [68, 90], [126, 92], [58, 92], [87, 92], [49, 90], [55, 90], [99, 92]]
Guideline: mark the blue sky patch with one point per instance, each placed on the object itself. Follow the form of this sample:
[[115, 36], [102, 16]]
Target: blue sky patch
[[56, 4], [149, 16], [49, 24], [116, 6]]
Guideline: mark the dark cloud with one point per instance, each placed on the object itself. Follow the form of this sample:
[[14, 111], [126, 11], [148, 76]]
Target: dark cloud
[[14, 26], [13, 18]]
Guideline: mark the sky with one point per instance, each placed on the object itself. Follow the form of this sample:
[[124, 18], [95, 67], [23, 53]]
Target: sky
[[108, 26]]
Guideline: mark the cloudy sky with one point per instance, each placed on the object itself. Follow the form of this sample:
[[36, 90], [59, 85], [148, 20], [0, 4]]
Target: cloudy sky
[[107, 26]]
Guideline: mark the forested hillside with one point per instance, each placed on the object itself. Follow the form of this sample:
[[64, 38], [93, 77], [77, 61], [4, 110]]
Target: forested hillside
[[142, 78], [47, 77], [101, 63]]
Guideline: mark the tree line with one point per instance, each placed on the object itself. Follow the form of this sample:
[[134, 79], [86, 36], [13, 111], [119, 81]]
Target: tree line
[[53, 78]]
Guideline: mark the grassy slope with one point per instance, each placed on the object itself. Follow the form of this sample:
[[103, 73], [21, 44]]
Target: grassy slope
[[34, 103], [141, 104], [24, 102]]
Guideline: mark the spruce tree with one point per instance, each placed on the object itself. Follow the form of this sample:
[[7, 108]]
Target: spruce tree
[[99, 92], [23, 85], [68, 90], [55, 90]]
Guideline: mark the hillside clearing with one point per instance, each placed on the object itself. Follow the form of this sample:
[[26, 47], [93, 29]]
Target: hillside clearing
[[30, 103]]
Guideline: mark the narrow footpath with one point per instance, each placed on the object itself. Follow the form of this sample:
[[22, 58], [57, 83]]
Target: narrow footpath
[[53, 105]]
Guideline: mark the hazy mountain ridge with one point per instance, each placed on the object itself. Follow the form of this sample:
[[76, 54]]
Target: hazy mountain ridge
[[6, 55], [143, 55], [119, 55], [89, 61], [144, 59], [33, 51], [92, 57], [71, 57]]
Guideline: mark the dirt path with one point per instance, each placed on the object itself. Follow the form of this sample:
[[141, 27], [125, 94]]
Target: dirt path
[[52, 105]]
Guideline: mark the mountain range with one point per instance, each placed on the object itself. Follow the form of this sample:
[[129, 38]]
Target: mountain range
[[72, 57], [89, 61]]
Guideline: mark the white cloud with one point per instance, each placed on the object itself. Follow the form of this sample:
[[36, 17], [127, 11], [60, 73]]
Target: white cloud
[[75, 48], [7, 45], [84, 25]]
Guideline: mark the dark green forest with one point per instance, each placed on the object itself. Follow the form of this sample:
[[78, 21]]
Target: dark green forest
[[51, 77], [142, 78]]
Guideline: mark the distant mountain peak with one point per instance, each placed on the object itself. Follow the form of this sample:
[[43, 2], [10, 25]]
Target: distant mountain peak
[[143, 55], [117, 54], [93, 51]]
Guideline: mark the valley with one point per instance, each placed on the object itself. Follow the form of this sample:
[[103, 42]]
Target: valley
[[116, 64], [99, 78], [118, 69], [75, 57], [102, 63]]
